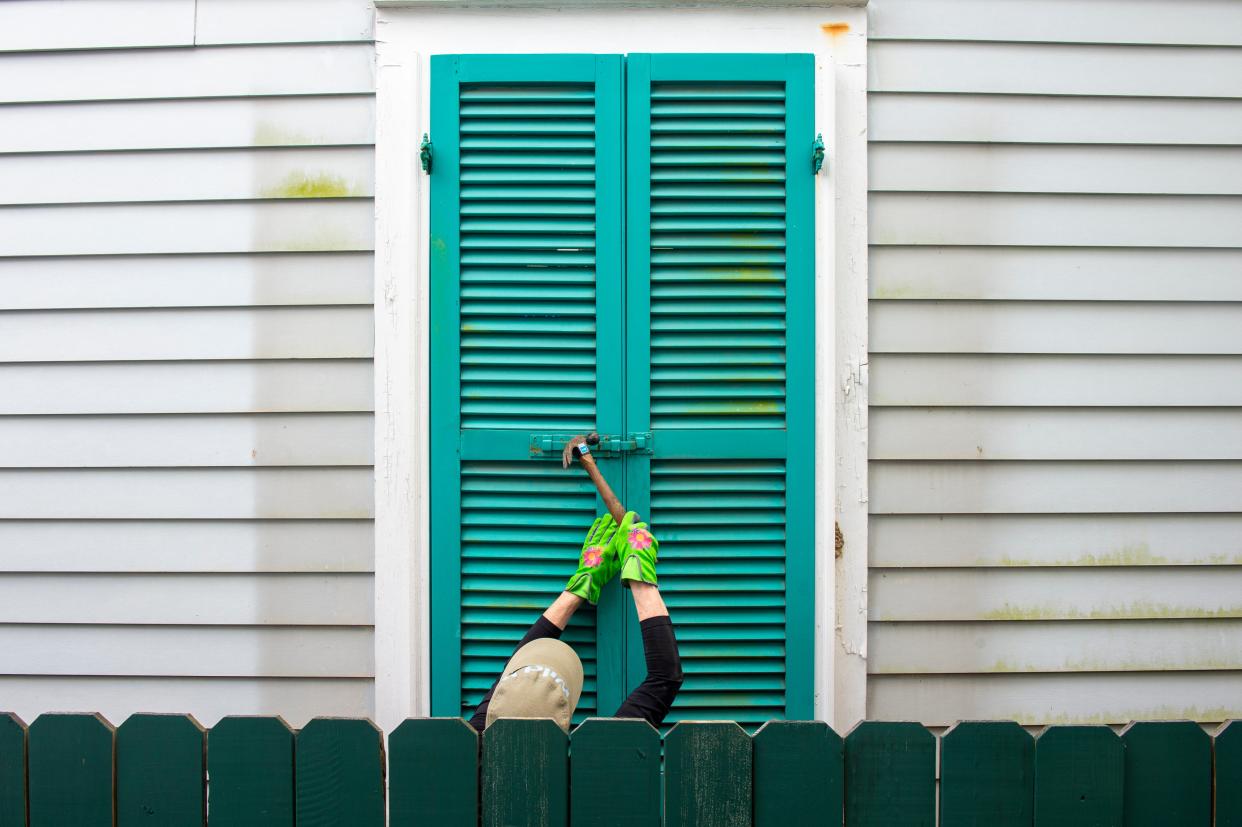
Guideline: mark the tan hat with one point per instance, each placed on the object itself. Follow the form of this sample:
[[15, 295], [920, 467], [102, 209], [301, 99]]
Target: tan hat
[[543, 679]]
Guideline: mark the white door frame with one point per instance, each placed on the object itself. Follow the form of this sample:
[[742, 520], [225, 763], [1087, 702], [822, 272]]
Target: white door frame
[[409, 31]]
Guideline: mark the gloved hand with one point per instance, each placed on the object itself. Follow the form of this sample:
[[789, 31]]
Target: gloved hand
[[637, 548], [599, 561]]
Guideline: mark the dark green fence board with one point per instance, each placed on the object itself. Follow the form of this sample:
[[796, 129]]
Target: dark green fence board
[[890, 775], [1078, 777], [433, 773], [799, 774], [71, 770], [707, 775], [987, 775], [12, 769], [250, 767], [1227, 766], [1168, 774], [525, 774], [160, 779], [614, 774], [340, 773]]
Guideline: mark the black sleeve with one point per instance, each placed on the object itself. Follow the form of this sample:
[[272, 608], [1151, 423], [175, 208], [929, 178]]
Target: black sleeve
[[653, 697]]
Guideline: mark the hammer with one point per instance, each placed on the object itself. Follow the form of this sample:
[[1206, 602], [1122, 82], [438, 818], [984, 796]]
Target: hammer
[[580, 447]]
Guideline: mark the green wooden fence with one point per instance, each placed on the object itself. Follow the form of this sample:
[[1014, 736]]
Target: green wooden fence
[[77, 769]]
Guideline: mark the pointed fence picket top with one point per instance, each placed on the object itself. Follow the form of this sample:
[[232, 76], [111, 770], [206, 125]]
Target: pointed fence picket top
[[339, 773], [890, 775], [798, 761], [1078, 777], [525, 774], [1168, 774], [614, 774], [433, 773], [707, 775], [12, 769], [160, 763], [250, 763], [71, 772], [987, 775], [1227, 766]]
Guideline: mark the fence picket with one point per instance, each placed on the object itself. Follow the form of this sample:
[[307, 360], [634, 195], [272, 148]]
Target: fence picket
[[890, 775], [614, 774], [1227, 767], [707, 775], [525, 774], [1078, 777], [71, 770], [250, 762], [12, 769], [339, 780], [1168, 774], [433, 773], [802, 761], [159, 771], [987, 775]]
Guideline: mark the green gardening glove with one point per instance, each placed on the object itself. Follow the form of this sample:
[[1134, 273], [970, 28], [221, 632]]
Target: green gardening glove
[[636, 548], [599, 561]]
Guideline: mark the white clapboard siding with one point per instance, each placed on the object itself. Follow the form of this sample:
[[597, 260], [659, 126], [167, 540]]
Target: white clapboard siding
[[1055, 69], [1057, 433], [232, 71], [1081, 698], [955, 647], [1055, 273], [32, 25], [1054, 539], [195, 123], [210, 651], [186, 545], [1040, 168], [187, 387], [226, 227], [198, 440], [1056, 220], [1156, 381], [1056, 327], [1039, 119], [186, 493], [279, 21], [1188, 22], [1014, 594], [194, 333], [296, 700], [1056, 360], [211, 175], [187, 599], [186, 281], [1079, 487]]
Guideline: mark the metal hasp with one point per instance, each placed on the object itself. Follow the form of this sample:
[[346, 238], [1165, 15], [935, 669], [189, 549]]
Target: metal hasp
[[817, 154], [424, 153], [549, 446]]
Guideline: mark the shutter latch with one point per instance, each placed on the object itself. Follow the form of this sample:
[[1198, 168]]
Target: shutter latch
[[424, 154], [549, 446], [817, 154]]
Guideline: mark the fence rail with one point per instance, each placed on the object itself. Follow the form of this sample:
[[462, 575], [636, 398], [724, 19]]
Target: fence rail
[[77, 769]]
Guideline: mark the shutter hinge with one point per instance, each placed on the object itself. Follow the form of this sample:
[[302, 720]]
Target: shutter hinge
[[549, 446], [817, 154], [424, 153]]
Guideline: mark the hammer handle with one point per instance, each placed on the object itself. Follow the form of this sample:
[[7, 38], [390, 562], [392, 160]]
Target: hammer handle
[[605, 490]]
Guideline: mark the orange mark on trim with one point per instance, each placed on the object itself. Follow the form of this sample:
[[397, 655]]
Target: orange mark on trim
[[835, 29]]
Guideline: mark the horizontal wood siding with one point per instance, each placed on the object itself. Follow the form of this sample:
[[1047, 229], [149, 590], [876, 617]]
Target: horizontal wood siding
[[1056, 363], [186, 435]]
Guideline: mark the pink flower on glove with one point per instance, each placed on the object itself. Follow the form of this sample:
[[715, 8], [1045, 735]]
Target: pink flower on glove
[[640, 538], [593, 556]]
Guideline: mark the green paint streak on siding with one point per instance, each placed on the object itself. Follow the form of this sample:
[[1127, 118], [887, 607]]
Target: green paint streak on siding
[[1136, 609], [311, 185]]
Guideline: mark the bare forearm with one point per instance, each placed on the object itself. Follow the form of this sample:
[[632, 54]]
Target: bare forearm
[[562, 609]]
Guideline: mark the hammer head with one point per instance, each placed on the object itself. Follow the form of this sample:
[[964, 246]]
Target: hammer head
[[571, 447]]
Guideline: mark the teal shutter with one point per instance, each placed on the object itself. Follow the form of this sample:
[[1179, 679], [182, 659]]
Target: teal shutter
[[720, 351], [526, 293]]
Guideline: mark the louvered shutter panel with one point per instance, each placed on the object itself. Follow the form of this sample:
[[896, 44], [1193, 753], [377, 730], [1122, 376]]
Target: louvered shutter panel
[[720, 301], [525, 291]]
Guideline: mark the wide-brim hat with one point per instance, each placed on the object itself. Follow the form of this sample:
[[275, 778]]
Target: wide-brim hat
[[543, 679]]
